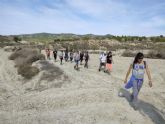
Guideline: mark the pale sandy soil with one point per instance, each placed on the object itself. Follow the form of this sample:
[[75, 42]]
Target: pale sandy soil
[[84, 97]]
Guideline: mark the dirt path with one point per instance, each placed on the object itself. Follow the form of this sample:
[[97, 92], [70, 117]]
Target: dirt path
[[87, 97]]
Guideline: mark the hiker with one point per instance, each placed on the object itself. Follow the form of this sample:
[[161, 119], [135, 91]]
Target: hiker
[[48, 54], [55, 54], [102, 58], [81, 57], [66, 55], [61, 56], [71, 56], [109, 62], [76, 59], [86, 58], [136, 81]]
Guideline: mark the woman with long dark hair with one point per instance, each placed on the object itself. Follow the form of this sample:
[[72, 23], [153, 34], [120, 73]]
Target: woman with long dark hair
[[109, 62], [138, 68]]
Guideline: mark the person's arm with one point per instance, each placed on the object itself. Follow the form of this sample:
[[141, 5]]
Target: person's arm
[[128, 72], [149, 75]]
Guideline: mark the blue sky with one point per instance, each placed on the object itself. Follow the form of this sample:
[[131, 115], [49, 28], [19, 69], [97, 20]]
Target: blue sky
[[117, 17]]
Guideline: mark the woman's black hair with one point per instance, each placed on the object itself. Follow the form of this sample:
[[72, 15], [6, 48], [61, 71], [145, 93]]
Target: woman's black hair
[[137, 57]]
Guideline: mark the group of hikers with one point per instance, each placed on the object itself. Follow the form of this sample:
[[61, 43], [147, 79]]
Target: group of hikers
[[76, 56], [138, 68]]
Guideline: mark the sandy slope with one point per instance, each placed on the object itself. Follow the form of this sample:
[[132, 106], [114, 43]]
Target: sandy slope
[[86, 97]]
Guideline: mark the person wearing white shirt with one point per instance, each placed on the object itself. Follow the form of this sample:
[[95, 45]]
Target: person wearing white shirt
[[102, 58]]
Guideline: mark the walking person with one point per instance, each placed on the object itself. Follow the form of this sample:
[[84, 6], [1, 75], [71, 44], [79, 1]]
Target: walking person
[[102, 58], [76, 59], [66, 55], [71, 56], [81, 57], [61, 56], [109, 62], [48, 54], [86, 58], [138, 69], [55, 54]]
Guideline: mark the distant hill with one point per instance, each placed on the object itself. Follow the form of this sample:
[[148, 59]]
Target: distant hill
[[84, 42], [50, 37]]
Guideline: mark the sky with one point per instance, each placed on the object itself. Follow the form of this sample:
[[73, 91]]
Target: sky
[[116, 17]]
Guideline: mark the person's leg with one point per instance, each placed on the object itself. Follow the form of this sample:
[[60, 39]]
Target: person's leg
[[48, 57], [61, 60], [81, 61], [56, 57], [104, 64], [85, 65], [136, 88], [100, 66], [135, 91], [140, 83], [109, 68], [106, 68], [77, 64]]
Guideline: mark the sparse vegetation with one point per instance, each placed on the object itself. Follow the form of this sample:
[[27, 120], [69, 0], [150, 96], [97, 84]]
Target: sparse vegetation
[[159, 54], [23, 59], [128, 53], [27, 71], [90, 42], [51, 72], [153, 54]]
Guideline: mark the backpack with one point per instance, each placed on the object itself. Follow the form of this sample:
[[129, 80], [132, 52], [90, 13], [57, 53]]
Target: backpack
[[144, 64]]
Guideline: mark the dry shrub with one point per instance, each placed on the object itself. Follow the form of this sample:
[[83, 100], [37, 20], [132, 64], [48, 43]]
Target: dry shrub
[[128, 53], [153, 54], [24, 58], [159, 54], [52, 76], [23, 53], [27, 71], [27, 55], [51, 72], [16, 55], [35, 57]]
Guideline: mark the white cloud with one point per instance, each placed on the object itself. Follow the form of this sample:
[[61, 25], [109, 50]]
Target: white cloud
[[81, 17]]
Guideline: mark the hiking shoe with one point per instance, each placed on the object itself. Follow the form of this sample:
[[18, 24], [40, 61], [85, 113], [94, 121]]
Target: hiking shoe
[[131, 98]]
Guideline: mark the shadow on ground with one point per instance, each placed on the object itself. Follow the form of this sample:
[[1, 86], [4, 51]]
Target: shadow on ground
[[145, 108]]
